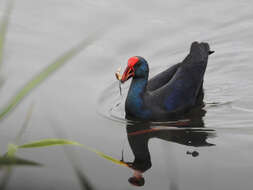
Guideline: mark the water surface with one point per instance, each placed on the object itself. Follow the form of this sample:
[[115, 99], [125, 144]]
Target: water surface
[[81, 101]]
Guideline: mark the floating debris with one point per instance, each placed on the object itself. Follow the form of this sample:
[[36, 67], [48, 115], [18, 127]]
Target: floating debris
[[117, 74], [119, 77], [194, 153]]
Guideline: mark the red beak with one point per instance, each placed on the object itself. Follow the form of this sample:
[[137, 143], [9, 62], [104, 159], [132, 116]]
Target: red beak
[[128, 73]]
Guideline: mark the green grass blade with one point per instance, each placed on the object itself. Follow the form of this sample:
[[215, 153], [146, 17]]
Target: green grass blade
[[115, 161], [48, 142], [85, 184], [36, 80], [12, 149], [111, 159], [84, 181], [25, 125], [75, 162], [6, 161], [3, 28], [55, 142]]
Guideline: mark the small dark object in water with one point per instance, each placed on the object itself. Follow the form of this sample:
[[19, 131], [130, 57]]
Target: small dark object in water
[[170, 94], [194, 153]]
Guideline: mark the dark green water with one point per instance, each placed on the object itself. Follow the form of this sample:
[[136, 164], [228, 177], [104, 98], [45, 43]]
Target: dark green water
[[81, 101]]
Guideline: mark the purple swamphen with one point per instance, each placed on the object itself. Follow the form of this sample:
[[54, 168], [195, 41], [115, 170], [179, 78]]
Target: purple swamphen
[[171, 93]]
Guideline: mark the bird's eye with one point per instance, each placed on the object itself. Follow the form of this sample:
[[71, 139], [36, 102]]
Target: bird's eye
[[138, 64]]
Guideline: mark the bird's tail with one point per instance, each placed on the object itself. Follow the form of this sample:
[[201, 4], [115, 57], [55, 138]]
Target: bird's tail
[[200, 51]]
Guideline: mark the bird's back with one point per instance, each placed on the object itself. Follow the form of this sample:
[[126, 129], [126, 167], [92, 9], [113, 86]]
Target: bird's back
[[183, 89]]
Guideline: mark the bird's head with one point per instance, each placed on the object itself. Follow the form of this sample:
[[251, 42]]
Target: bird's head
[[137, 67]]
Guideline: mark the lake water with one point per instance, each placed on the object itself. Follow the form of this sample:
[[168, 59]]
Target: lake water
[[81, 101]]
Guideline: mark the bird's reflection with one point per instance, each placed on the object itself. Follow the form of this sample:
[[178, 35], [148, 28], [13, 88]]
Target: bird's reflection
[[188, 132]]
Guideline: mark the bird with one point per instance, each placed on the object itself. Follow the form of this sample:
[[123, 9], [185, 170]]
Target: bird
[[170, 94]]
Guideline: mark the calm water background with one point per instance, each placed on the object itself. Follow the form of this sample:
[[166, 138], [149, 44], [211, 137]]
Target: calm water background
[[80, 100]]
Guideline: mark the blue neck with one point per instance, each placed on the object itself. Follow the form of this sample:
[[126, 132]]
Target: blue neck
[[135, 102]]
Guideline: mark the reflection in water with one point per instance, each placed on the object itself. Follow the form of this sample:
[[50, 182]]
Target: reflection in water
[[190, 133]]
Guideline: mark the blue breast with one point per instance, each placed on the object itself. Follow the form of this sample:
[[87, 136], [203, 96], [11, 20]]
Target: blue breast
[[134, 102]]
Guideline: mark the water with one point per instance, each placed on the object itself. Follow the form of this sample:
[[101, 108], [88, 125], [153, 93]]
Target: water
[[81, 101]]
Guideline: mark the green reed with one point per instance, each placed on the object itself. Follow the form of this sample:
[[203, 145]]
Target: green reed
[[10, 159]]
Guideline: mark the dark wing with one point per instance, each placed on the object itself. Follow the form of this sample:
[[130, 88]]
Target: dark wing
[[183, 88], [162, 78]]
